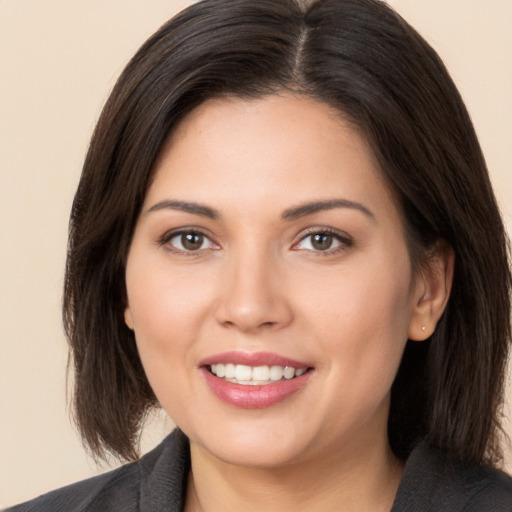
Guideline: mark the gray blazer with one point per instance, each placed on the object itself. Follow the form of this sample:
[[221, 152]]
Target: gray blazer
[[157, 483]]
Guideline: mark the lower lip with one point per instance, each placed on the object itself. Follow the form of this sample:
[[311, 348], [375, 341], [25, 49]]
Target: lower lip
[[254, 397]]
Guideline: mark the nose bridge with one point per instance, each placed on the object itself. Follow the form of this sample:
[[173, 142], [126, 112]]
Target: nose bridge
[[253, 296]]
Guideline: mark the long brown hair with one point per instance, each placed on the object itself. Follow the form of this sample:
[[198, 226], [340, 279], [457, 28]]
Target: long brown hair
[[361, 58]]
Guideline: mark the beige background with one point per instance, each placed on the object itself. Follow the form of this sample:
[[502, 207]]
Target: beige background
[[58, 61]]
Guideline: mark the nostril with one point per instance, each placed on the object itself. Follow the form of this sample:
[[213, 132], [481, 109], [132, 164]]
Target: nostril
[[250, 313], [263, 325]]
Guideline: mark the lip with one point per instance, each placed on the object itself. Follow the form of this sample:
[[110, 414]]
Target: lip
[[253, 359], [254, 397]]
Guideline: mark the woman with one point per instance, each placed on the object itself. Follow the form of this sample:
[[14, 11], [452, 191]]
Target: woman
[[285, 236]]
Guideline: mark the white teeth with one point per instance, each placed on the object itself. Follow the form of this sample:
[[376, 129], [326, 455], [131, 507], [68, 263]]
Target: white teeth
[[243, 372], [260, 373], [289, 372], [257, 375], [276, 372], [230, 371], [221, 370]]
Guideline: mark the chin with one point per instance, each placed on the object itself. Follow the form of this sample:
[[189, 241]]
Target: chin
[[254, 456], [254, 447]]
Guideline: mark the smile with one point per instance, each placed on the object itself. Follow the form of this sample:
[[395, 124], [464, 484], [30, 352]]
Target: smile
[[254, 375], [254, 380]]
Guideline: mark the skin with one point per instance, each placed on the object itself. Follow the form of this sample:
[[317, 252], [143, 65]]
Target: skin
[[257, 283]]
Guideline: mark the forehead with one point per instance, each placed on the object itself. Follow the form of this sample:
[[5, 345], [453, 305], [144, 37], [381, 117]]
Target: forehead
[[286, 147]]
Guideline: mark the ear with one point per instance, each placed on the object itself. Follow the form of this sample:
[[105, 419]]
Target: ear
[[432, 291], [128, 318]]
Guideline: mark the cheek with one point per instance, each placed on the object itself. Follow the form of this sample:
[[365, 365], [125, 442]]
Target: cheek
[[166, 316], [165, 304], [164, 327], [362, 321], [170, 307]]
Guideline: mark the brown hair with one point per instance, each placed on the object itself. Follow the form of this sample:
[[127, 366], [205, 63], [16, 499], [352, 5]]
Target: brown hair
[[361, 58]]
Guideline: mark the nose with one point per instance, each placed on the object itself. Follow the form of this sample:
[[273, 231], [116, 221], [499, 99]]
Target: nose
[[254, 295]]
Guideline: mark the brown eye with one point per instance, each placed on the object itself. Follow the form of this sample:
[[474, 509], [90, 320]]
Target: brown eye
[[190, 241], [321, 241]]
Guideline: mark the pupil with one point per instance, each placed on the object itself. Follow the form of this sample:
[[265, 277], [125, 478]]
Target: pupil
[[192, 241], [322, 242]]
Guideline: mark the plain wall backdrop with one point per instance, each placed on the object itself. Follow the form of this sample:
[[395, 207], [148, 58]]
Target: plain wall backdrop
[[58, 61]]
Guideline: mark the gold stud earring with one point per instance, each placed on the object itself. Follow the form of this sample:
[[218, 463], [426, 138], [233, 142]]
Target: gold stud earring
[[423, 328]]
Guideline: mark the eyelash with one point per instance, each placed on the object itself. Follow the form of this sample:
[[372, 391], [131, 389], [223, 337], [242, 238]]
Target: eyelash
[[344, 241], [167, 237]]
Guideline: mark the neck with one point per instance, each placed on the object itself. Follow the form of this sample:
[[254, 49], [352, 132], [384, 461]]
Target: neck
[[358, 480]]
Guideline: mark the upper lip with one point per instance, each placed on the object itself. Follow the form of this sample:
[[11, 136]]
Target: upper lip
[[253, 359]]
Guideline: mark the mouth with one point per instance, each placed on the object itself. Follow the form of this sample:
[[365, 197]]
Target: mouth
[[254, 375], [254, 380]]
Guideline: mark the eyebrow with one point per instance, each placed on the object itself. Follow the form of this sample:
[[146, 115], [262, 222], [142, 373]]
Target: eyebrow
[[318, 206], [290, 214], [186, 206]]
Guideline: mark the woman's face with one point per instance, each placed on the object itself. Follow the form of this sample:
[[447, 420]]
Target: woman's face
[[268, 247]]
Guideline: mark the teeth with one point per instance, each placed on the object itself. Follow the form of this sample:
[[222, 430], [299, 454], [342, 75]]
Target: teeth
[[243, 372], [230, 371], [276, 372], [289, 372], [260, 373], [255, 375], [221, 370]]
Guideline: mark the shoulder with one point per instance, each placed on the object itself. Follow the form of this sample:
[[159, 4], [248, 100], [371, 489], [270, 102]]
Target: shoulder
[[128, 488], [432, 482], [117, 486]]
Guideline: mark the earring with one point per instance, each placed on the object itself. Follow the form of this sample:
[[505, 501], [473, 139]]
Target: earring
[[423, 328]]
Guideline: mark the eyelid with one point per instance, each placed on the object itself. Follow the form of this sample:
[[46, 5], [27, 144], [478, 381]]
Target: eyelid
[[172, 233], [345, 240]]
